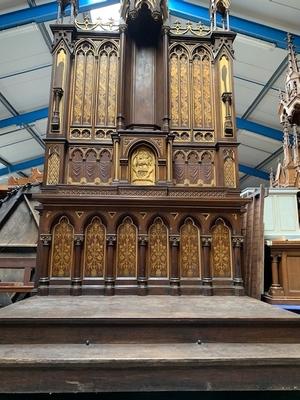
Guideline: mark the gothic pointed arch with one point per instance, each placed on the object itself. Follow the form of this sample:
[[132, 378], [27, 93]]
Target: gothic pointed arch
[[94, 249], [127, 249], [221, 252], [190, 250], [158, 260], [62, 248]]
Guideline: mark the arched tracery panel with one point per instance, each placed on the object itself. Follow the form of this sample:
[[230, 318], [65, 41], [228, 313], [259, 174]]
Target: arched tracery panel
[[62, 248], [179, 86], [189, 250], [229, 170], [127, 249], [83, 85], [202, 89], [158, 260], [221, 250], [107, 85], [94, 249]]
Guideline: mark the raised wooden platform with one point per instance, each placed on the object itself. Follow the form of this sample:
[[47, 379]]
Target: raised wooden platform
[[155, 343]]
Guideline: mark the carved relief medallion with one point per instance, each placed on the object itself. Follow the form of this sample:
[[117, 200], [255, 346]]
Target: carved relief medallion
[[143, 167]]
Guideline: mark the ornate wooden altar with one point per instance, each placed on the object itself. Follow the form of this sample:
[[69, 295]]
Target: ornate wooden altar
[[141, 191]]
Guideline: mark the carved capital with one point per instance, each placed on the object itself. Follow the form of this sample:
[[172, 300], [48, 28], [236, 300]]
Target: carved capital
[[78, 239], [237, 241], [174, 240], [143, 239], [206, 241], [111, 239], [46, 238]]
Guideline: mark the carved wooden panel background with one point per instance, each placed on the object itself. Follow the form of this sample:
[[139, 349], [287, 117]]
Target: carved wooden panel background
[[90, 166], [189, 250], [194, 168], [62, 248], [127, 249], [158, 249], [94, 249], [191, 93], [95, 67], [221, 250]]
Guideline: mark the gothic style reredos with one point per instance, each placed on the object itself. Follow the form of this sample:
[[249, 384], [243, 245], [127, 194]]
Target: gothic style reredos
[[140, 190]]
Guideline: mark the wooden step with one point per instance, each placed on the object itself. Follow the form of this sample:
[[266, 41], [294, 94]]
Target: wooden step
[[152, 319], [149, 367]]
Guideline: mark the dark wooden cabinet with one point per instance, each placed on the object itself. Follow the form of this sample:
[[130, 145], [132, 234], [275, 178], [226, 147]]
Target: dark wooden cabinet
[[140, 191]]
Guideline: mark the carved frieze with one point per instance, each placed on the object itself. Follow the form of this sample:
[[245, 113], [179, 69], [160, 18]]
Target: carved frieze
[[90, 166], [194, 168]]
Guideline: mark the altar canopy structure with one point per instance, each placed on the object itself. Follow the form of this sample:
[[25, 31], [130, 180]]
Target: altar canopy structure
[[140, 190]]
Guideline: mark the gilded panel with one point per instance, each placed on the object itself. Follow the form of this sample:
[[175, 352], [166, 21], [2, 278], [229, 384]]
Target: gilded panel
[[229, 172], [158, 249], [143, 167], [88, 89], [94, 249], [78, 88], [53, 169], [189, 250], [221, 250], [127, 249], [107, 85], [62, 248]]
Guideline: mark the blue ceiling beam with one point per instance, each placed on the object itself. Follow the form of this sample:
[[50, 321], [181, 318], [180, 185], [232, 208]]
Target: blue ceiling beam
[[254, 172], [241, 123], [259, 129], [179, 8], [45, 12], [196, 13], [26, 118], [35, 162]]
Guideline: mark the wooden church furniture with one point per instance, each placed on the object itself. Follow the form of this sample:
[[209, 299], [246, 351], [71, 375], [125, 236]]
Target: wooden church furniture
[[282, 229], [141, 191]]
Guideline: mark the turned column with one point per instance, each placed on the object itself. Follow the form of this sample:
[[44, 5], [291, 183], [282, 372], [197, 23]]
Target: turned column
[[120, 105], [110, 265], [43, 283], [175, 278], [276, 288], [237, 244], [142, 273], [116, 142], [77, 276], [207, 275], [166, 117]]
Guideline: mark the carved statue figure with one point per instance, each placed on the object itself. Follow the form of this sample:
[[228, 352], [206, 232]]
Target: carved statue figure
[[221, 6], [62, 5]]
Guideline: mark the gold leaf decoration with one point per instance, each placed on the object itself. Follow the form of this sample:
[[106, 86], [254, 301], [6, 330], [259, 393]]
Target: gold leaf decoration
[[53, 169], [221, 250], [143, 167], [158, 249], [62, 248], [127, 249], [229, 173], [189, 250], [94, 249]]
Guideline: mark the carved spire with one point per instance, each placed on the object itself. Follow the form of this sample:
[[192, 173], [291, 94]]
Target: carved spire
[[290, 100], [62, 5], [222, 7], [132, 10]]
